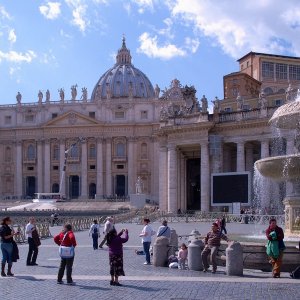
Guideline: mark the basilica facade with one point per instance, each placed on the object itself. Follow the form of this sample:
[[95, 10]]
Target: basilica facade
[[129, 129]]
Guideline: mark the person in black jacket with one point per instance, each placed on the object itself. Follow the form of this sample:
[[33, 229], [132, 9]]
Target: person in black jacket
[[7, 239]]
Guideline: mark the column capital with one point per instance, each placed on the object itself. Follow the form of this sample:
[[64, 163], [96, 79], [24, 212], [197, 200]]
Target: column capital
[[99, 140], [62, 141], [131, 139], [108, 140], [171, 147]]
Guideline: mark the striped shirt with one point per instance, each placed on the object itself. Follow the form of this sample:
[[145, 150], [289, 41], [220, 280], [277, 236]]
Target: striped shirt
[[213, 239]]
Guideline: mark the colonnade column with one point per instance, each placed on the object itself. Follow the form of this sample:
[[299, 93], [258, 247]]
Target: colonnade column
[[264, 149], [99, 185], [240, 162], [62, 175], [84, 194], [108, 168], [40, 167], [249, 158], [163, 176], [130, 168], [47, 167], [19, 171], [205, 177], [290, 149], [172, 178]]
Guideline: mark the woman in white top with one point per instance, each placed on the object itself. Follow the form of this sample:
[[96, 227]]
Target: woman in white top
[[95, 231], [146, 235]]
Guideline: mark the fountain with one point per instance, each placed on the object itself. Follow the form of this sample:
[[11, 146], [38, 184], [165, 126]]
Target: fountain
[[287, 167]]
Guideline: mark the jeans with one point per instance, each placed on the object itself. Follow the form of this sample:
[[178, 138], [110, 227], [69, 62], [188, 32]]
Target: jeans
[[32, 252], [65, 263], [146, 246], [7, 250], [213, 253], [95, 240], [103, 242], [223, 228]]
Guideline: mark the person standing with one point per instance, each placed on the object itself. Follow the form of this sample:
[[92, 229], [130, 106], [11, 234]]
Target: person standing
[[164, 230], [115, 247], [108, 226], [7, 239], [182, 256], [212, 244], [275, 238], [32, 238], [67, 239], [95, 232], [146, 235], [223, 225]]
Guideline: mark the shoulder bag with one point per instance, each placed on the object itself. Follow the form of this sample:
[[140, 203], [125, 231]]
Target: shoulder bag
[[64, 251]]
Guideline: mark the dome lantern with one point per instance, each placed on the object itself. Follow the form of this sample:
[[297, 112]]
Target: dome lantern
[[123, 56]]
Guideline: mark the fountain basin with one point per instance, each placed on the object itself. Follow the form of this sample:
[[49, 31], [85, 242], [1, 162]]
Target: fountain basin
[[287, 116], [280, 168]]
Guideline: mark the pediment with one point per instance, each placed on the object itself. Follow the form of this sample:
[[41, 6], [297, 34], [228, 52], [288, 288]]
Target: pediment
[[71, 118]]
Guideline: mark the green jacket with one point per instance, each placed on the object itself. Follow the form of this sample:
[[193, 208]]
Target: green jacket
[[272, 246]]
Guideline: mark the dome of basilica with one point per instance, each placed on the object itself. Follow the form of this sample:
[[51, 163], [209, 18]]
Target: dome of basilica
[[123, 80]]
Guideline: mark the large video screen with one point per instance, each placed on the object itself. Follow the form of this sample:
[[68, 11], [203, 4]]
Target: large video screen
[[227, 188]]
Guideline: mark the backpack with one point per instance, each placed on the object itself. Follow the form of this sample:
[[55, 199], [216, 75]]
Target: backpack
[[296, 273], [95, 230]]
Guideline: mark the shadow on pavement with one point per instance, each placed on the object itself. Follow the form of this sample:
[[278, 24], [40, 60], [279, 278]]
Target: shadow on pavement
[[142, 288], [49, 267], [92, 288], [30, 278]]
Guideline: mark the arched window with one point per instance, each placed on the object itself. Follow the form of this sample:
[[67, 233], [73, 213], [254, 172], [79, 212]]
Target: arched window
[[7, 155], [268, 91], [120, 149], [144, 150], [74, 153], [92, 151], [55, 188], [55, 155], [31, 152]]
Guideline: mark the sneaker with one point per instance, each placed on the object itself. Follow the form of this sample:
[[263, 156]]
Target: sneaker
[[146, 263], [118, 284], [205, 270], [34, 264], [60, 282]]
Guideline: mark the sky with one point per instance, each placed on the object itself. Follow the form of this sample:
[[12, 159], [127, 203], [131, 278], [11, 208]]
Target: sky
[[57, 44]]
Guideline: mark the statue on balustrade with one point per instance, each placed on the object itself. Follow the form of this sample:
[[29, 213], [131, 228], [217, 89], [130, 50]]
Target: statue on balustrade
[[47, 96], [157, 91], [139, 185], [289, 93], [62, 94], [262, 101], [19, 98], [204, 104], [74, 92], [84, 94], [216, 104], [40, 96], [240, 101]]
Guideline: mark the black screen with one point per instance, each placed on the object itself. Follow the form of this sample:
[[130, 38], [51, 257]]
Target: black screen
[[230, 188]]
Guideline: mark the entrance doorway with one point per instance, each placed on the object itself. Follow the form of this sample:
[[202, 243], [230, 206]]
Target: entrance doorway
[[30, 186], [193, 188], [120, 185], [55, 188], [74, 187], [92, 191]]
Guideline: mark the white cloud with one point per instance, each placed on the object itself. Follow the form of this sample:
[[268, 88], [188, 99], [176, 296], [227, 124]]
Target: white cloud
[[65, 35], [79, 13], [191, 44], [17, 57], [4, 14], [257, 25], [167, 32], [50, 10], [143, 5], [149, 46], [13, 70], [12, 37]]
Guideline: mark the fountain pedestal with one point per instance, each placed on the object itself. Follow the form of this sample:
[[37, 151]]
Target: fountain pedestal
[[292, 215]]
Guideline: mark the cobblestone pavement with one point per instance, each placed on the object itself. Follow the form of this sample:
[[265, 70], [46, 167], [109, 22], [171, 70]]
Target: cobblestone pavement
[[141, 282]]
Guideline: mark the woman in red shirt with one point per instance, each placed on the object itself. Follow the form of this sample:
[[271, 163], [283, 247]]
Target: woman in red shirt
[[66, 238]]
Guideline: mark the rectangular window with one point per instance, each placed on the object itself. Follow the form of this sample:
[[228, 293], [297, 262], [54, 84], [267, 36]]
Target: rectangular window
[[120, 166], [119, 115], [246, 107], [55, 168], [7, 120], [278, 102], [54, 115], [144, 114], [30, 168], [227, 109], [92, 114], [92, 167], [281, 71], [92, 152], [29, 118], [267, 69], [294, 72]]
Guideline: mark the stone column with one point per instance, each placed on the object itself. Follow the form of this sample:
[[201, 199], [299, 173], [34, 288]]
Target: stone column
[[155, 170], [249, 158], [290, 149], [264, 149], [108, 168], [163, 176], [205, 177], [130, 168], [47, 167], [172, 178], [40, 166], [19, 170], [62, 179], [240, 157], [84, 194], [99, 185]]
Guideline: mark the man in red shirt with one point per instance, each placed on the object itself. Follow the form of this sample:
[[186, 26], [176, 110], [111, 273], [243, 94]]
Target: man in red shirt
[[276, 262], [66, 238]]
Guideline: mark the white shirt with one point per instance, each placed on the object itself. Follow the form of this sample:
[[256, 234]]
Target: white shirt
[[164, 231], [148, 231], [108, 227], [28, 230], [93, 227]]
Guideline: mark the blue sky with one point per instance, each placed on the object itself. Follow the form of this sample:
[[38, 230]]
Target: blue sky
[[56, 44]]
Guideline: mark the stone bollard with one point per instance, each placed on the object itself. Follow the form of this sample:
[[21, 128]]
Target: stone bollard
[[160, 251], [194, 235], [194, 255], [234, 259], [173, 242]]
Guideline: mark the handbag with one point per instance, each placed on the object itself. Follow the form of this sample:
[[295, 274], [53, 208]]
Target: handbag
[[64, 251]]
